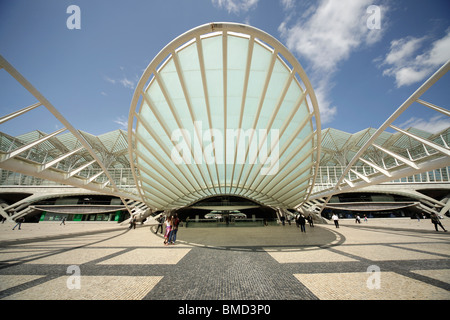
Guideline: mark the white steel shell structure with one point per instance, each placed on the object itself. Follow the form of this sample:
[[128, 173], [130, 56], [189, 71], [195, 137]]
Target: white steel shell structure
[[374, 155], [82, 150], [226, 92], [223, 76]]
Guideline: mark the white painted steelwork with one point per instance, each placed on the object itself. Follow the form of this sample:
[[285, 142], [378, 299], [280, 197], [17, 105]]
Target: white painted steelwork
[[217, 85]]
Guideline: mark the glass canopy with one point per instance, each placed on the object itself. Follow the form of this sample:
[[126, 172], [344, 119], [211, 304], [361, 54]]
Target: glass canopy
[[224, 109]]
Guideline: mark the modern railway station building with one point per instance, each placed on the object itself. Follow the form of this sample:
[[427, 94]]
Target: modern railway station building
[[224, 124]]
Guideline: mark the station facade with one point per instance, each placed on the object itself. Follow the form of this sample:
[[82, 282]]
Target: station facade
[[223, 122]]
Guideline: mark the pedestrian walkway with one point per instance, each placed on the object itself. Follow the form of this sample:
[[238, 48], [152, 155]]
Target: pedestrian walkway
[[381, 259]]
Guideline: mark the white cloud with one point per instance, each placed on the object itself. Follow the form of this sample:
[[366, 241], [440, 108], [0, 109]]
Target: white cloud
[[403, 49], [325, 34], [330, 33], [122, 121], [124, 81], [327, 110], [407, 75], [440, 52], [287, 4], [433, 125], [236, 6], [407, 66], [110, 80], [127, 83]]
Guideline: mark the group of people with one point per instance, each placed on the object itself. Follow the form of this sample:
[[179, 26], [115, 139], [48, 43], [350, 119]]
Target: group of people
[[171, 224], [335, 219], [18, 221], [358, 218], [300, 221], [434, 219]]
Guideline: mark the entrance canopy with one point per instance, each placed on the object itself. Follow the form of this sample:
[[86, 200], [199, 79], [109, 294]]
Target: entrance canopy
[[224, 109]]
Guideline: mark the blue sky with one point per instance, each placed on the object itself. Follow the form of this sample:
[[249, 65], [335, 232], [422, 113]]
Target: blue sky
[[361, 75]]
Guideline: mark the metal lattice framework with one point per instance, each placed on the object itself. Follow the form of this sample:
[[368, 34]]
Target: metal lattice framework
[[339, 148], [214, 79], [74, 158], [228, 76], [387, 156]]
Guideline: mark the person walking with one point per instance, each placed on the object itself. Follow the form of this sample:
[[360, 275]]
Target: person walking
[[310, 220], [302, 222], [19, 223], [289, 219], [160, 224], [63, 221], [173, 234], [435, 220], [168, 224], [132, 223], [335, 219], [358, 219]]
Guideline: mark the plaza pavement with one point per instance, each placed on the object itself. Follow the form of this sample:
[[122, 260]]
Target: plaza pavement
[[382, 259]]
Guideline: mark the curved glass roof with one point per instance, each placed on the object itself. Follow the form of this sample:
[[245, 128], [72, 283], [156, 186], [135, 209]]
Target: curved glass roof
[[224, 109]]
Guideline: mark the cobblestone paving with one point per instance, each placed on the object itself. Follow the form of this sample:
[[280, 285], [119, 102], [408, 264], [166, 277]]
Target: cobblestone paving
[[381, 259]]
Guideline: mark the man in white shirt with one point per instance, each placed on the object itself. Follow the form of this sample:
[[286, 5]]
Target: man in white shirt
[[335, 219]]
